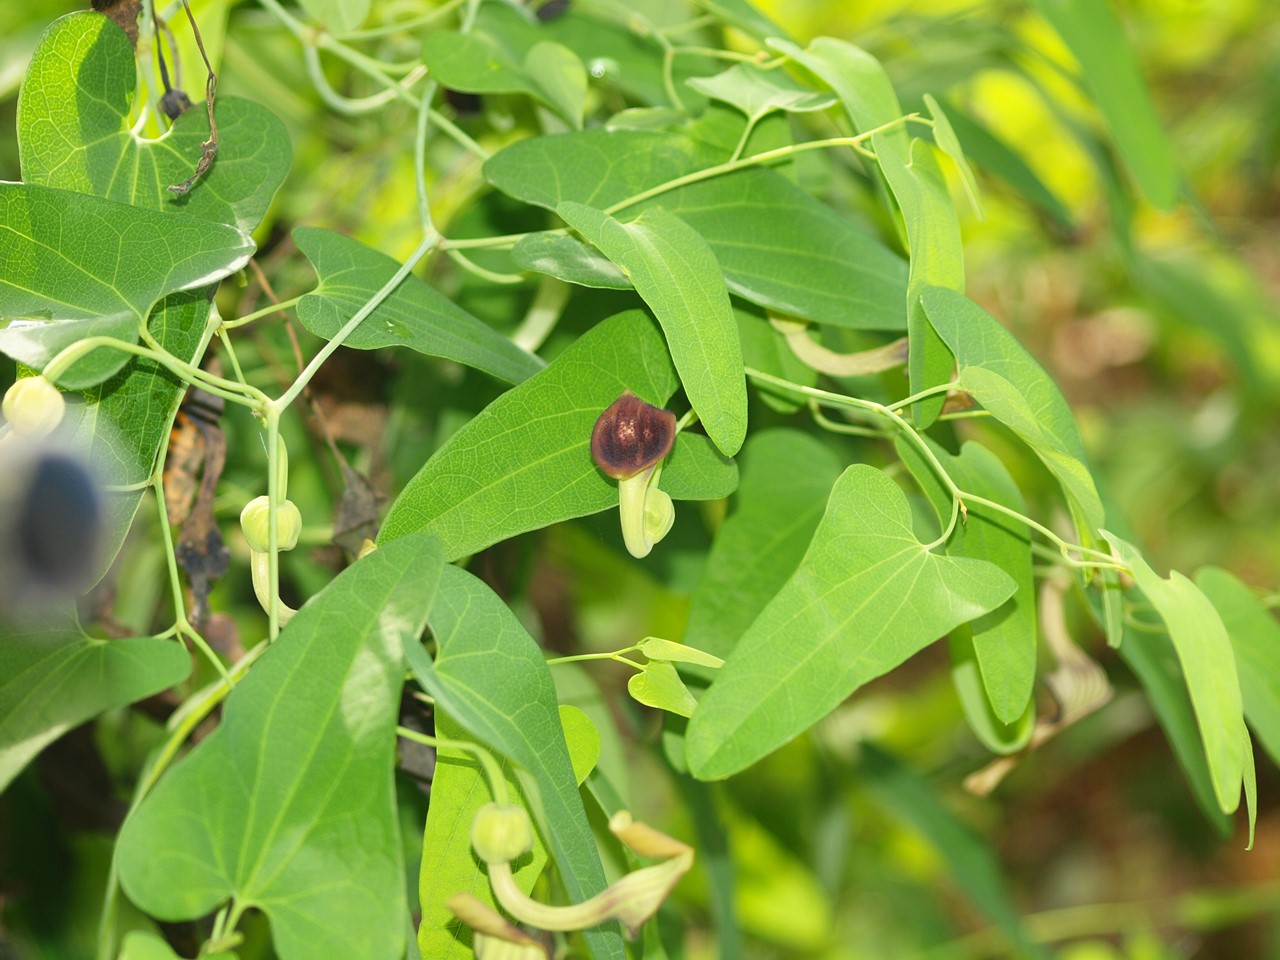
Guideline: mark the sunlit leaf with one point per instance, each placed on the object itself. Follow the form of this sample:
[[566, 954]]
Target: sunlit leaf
[[568, 259], [490, 676], [414, 315], [656, 648], [458, 790], [54, 679], [298, 777], [1005, 379], [1110, 72], [74, 132], [1208, 664], [525, 461], [658, 685], [866, 596], [677, 275], [78, 266]]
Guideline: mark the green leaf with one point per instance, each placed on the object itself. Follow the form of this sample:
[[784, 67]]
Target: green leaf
[[658, 685], [1208, 664], [74, 132], [569, 259], [490, 676], [1002, 643], [561, 78], [340, 16], [1154, 662], [298, 777], [1255, 638], [524, 462], [777, 245], [144, 945], [677, 275], [937, 260], [866, 596], [765, 348], [858, 79], [786, 479], [949, 143], [1005, 379], [1110, 72], [994, 733], [756, 92], [655, 648], [414, 315], [996, 157], [54, 679], [975, 870], [916, 181], [79, 266], [478, 62]]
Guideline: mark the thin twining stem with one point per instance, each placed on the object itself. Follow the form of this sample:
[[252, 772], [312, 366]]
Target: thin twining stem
[[959, 497]]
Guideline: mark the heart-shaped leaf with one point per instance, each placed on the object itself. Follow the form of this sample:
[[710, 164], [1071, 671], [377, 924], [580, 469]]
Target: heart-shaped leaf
[[866, 596], [296, 783]]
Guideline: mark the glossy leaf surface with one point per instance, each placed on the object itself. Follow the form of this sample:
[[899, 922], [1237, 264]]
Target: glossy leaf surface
[[296, 783], [414, 315], [84, 142], [525, 462], [866, 596], [79, 266], [490, 676], [677, 275]]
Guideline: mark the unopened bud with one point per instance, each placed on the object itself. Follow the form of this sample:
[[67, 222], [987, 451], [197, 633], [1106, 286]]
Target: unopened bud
[[34, 407], [255, 522], [501, 833]]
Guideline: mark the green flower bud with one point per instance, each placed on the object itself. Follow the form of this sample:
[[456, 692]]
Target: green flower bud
[[254, 521], [501, 833], [34, 407]]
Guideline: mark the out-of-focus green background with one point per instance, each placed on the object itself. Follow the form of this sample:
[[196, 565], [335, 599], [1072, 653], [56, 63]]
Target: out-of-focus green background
[[1163, 329]]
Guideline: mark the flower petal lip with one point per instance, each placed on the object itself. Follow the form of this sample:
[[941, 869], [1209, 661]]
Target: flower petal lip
[[631, 435]]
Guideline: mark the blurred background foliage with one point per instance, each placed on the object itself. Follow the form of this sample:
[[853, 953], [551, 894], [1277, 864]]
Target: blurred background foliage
[[1163, 328]]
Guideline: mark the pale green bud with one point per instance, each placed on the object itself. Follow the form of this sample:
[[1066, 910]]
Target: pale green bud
[[501, 833], [255, 522], [34, 407]]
